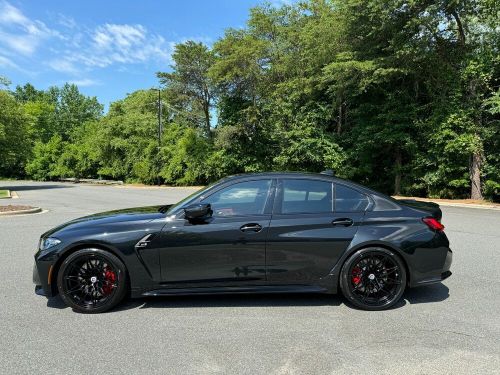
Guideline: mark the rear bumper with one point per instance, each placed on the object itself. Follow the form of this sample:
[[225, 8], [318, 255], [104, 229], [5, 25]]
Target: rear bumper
[[436, 275]]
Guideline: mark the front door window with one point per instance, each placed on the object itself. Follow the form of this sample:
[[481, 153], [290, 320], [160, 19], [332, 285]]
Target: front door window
[[242, 199]]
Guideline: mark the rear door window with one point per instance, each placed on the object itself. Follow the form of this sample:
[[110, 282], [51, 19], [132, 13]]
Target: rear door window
[[349, 200], [306, 196]]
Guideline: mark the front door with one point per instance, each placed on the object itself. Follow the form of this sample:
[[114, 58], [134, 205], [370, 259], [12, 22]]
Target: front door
[[226, 250]]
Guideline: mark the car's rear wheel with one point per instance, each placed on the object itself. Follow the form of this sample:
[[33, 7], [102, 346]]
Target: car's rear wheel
[[373, 279], [92, 281]]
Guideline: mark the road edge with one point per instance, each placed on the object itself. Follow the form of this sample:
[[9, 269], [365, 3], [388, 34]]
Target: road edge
[[33, 210]]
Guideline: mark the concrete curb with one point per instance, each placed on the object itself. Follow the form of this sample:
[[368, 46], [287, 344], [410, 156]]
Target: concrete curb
[[91, 181], [480, 206], [33, 210], [453, 204]]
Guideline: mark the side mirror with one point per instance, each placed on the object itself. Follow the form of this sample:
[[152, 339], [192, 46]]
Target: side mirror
[[198, 212]]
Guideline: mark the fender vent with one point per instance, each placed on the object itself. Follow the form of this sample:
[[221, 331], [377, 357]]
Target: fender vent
[[144, 241]]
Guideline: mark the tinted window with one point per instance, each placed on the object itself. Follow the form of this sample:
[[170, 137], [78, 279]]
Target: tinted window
[[349, 200], [244, 198], [306, 196]]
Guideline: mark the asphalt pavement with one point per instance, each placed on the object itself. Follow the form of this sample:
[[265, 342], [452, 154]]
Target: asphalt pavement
[[448, 328]]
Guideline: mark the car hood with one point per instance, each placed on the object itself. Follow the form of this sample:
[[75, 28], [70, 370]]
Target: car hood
[[112, 218]]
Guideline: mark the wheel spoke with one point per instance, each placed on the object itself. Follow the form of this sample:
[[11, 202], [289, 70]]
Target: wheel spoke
[[77, 289], [391, 269]]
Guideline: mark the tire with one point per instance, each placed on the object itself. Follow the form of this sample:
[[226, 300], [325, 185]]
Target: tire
[[373, 279], [92, 281]]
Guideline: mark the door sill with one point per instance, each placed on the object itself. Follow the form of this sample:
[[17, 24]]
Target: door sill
[[237, 290]]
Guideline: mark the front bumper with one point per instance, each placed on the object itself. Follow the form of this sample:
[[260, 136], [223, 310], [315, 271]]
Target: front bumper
[[42, 278]]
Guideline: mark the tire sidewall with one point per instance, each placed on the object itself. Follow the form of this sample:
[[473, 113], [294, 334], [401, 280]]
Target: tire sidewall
[[345, 278], [119, 293]]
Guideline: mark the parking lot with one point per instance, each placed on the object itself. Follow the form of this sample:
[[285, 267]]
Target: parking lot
[[453, 327]]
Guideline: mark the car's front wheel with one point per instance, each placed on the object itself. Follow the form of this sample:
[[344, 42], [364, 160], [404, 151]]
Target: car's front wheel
[[92, 280], [373, 279]]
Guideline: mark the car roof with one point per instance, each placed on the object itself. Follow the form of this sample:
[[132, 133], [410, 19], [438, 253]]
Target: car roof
[[308, 175]]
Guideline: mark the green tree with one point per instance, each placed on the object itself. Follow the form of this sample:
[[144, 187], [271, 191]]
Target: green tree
[[4, 81], [13, 136], [189, 88], [73, 109], [401, 96]]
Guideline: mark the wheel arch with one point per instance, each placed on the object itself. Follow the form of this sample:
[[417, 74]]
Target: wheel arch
[[338, 267], [67, 252]]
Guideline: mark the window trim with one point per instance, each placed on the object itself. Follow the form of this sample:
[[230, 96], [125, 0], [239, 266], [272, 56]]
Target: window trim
[[278, 197]]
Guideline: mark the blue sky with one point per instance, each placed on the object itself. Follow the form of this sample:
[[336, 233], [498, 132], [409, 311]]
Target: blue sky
[[107, 48]]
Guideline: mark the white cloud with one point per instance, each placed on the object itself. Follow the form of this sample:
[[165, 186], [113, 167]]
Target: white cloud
[[110, 44], [85, 82], [78, 49], [66, 21], [20, 34], [5, 62], [110, 36], [125, 44], [10, 14], [63, 66]]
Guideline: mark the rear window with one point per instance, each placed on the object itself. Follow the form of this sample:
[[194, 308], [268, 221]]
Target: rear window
[[349, 200]]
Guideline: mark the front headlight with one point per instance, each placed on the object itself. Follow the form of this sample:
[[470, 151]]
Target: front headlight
[[47, 243]]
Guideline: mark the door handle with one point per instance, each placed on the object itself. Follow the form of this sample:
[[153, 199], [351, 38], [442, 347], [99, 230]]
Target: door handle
[[252, 227], [346, 222]]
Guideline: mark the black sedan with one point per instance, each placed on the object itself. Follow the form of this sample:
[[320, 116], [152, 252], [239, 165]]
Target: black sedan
[[253, 233]]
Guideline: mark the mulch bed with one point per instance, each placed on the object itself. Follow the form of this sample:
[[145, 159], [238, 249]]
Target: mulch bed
[[12, 207]]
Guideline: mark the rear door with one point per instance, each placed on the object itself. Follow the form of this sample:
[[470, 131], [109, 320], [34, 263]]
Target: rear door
[[313, 223]]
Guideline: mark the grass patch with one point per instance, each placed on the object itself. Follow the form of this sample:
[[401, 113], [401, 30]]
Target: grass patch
[[4, 193]]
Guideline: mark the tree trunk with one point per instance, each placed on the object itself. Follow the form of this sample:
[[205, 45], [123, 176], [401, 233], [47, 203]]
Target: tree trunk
[[475, 176], [206, 112], [339, 123], [397, 175]]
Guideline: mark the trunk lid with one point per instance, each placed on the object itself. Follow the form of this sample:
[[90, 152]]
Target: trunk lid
[[431, 207]]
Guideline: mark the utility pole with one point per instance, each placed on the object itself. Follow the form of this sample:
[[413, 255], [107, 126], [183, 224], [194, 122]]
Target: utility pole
[[160, 131]]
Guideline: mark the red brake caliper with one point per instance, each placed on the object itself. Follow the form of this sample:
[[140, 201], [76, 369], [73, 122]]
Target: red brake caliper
[[356, 275], [109, 280]]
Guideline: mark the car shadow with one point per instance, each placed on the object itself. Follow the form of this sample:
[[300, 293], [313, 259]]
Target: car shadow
[[424, 294], [427, 294], [232, 300], [56, 302]]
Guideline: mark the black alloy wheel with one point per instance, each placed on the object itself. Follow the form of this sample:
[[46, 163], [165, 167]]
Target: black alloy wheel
[[92, 281], [373, 279]]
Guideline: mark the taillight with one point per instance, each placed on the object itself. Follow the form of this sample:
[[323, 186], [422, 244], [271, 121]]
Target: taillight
[[433, 224]]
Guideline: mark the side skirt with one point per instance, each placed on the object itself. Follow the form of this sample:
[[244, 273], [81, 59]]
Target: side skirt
[[236, 290]]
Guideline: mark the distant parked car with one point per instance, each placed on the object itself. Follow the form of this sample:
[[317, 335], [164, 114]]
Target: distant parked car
[[252, 233]]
